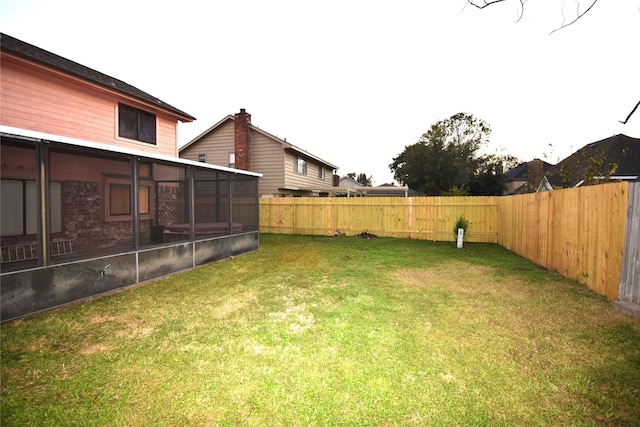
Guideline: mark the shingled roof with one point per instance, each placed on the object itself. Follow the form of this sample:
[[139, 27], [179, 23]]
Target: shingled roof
[[521, 172], [35, 54], [618, 156]]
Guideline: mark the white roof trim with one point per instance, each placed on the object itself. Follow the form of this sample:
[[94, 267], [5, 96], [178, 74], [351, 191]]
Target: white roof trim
[[611, 178], [24, 133], [622, 177]]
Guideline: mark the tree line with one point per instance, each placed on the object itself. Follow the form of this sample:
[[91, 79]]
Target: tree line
[[448, 160]]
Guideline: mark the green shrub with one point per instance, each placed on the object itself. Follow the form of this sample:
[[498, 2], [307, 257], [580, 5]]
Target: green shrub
[[460, 223]]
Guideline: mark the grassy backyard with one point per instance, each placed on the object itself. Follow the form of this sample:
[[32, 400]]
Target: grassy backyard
[[331, 331]]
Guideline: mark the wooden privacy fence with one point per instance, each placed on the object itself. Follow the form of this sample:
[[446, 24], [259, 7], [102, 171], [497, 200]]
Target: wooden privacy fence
[[579, 233], [576, 232], [428, 218]]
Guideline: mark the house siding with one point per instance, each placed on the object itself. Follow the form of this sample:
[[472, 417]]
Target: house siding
[[268, 159], [40, 99], [216, 146], [310, 179], [85, 236], [267, 156]]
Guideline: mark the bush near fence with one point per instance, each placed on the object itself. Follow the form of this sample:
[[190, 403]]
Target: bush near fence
[[578, 232]]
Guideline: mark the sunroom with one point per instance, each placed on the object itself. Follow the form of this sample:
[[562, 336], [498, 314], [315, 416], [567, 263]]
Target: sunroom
[[73, 228]]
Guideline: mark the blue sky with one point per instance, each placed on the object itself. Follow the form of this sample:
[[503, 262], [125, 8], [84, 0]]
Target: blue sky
[[354, 82]]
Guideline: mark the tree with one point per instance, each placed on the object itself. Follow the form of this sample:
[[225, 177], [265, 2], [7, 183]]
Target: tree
[[361, 178], [446, 160], [579, 14], [588, 166], [489, 178]]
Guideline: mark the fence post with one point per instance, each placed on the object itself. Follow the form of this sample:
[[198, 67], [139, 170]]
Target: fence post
[[629, 290]]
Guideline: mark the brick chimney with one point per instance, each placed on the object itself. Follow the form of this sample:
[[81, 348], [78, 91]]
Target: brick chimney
[[242, 140], [535, 172], [336, 180]]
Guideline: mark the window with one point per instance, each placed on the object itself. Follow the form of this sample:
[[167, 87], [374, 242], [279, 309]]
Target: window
[[19, 207], [118, 207], [119, 199], [136, 124], [321, 173], [232, 160], [202, 158], [300, 165]]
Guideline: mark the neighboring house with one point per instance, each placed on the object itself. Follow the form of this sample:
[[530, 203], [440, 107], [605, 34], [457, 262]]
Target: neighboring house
[[616, 158], [94, 196], [526, 177], [349, 186], [391, 190], [347, 181], [286, 169]]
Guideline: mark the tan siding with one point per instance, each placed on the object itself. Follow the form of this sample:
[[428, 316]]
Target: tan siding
[[216, 146], [266, 155], [267, 158], [39, 99], [310, 179]]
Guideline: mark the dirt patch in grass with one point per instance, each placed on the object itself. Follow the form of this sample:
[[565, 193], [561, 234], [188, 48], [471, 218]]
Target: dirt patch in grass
[[298, 318], [102, 318], [95, 348], [233, 305], [463, 280]]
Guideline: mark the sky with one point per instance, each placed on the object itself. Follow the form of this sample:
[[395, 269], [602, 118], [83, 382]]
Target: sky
[[355, 82]]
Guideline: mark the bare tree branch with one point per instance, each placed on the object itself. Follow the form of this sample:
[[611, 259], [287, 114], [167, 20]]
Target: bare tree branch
[[578, 16], [486, 3], [630, 114], [491, 2]]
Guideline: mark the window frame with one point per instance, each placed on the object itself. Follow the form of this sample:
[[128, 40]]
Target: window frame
[[27, 203], [143, 203], [142, 131], [300, 165]]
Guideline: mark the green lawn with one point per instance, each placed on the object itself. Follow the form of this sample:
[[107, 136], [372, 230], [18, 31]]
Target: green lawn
[[325, 331]]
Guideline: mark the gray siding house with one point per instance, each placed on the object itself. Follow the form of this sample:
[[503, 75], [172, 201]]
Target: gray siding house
[[286, 169]]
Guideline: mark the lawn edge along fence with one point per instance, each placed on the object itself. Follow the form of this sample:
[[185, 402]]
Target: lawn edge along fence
[[577, 232]]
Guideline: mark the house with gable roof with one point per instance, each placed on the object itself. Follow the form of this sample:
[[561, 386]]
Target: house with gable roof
[[286, 169], [616, 158], [94, 195]]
